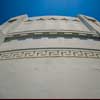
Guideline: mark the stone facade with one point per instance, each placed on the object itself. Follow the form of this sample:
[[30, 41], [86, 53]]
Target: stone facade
[[50, 57]]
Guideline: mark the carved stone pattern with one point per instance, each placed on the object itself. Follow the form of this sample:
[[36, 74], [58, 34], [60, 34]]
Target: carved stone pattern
[[45, 53]]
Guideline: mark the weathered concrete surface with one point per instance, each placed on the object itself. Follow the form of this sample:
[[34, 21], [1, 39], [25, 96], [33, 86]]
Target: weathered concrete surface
[[50, 77]]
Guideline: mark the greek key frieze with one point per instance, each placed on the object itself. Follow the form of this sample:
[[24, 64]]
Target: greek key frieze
[[49, 52]]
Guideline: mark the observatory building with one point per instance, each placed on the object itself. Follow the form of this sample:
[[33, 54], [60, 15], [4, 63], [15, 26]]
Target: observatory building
[[50, 57]]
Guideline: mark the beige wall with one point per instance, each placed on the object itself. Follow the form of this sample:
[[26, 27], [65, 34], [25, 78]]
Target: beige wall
[[50, 78], [24, 74], [45, 42], [54, 77]]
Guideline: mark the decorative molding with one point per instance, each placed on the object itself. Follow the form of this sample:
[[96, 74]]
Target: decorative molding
[[49, 52], [85, 20], [67, 34]]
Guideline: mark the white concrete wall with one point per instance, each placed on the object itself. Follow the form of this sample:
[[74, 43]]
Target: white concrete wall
[[50, 78], [59, 77], [46, 43]]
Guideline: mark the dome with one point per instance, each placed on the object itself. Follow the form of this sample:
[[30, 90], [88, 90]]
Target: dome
[[50, 57]]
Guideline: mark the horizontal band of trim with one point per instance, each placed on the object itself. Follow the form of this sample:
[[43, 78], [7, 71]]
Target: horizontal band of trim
[[40, 35], [49, 52], [50, 48]]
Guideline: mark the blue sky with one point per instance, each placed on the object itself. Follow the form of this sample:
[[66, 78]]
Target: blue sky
[[11, 8]]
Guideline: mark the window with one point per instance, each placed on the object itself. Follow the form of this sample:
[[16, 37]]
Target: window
[[76, 20], [52, 19], [12, 20], [41, 19], [64, 19]]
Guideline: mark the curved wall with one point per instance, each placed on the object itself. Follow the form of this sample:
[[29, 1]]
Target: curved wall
[[65, 66]]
